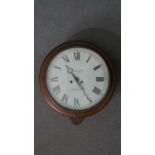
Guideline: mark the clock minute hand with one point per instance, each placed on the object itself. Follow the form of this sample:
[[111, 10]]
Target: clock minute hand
[[70, 71], [84, 92], [81, 87]]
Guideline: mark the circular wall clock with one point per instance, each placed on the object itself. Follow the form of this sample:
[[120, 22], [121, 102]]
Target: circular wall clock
[[77, 80]]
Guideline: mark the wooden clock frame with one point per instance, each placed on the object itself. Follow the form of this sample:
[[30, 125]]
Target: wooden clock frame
[[80, 114]]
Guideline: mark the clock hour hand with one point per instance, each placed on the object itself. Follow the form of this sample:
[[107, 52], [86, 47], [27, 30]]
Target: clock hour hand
[[70, 71], [76, 78]]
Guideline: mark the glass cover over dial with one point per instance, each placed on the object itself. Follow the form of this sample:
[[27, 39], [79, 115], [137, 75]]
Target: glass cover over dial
[[77, 78]]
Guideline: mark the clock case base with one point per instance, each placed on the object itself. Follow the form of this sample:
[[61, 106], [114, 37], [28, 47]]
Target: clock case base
[[76, 120]]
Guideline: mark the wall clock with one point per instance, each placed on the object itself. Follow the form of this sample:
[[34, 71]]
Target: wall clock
[[77, 80]]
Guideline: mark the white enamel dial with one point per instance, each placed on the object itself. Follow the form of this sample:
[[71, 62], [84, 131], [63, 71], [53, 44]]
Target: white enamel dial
[[77, 78]]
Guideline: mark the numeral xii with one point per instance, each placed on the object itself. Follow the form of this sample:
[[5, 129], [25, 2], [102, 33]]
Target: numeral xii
[[77, 55]]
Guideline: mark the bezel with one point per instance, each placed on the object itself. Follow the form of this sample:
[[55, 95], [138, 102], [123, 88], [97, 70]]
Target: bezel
[[68, 112]]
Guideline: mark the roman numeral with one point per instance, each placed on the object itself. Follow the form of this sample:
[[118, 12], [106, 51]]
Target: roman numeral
[[64, 98], [88, 59], [99, 79], [76, 102], [66, 58], [77, 55], [56, 67], [54, 79], [96, 90], [96, 67], [56, 90]]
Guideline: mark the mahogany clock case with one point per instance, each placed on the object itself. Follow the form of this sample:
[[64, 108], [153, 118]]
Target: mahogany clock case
[[50, 100]]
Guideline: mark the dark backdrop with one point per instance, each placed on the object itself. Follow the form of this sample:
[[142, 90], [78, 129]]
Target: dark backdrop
[[96, 21]]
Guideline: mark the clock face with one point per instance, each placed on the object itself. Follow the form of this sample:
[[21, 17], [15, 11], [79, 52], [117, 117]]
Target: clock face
[[77, 78]]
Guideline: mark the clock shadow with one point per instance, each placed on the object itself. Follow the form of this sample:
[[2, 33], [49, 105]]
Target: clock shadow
[[107, 41]]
